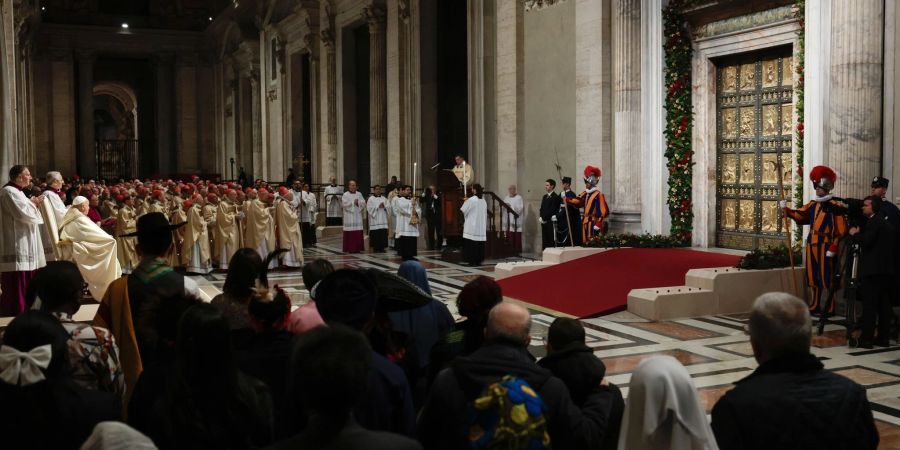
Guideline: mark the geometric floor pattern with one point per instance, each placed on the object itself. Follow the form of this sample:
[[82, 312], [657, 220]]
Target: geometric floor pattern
[[715, 349]]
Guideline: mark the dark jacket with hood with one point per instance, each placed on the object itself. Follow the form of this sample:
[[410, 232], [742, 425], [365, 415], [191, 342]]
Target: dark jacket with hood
[[582, 371], [443, 423]]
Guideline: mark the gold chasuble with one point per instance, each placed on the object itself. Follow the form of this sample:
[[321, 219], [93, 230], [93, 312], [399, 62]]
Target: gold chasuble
[[195, 247], [226, 236], [126, 223], [178, 216], [287, 224], [258, 226], [93, 251]]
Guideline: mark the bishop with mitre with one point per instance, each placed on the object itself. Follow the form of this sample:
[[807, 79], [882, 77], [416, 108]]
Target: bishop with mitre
[[227, 235], [126, 223], [92, 249]]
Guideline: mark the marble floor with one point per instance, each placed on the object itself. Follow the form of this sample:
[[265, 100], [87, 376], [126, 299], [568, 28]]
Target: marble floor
[[715, 349]]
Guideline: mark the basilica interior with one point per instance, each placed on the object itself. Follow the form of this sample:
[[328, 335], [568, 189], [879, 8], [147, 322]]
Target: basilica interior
[[524, 91]]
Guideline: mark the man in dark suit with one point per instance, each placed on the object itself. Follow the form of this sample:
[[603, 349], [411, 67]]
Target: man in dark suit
[[876, 270], [432, 203], [549, 207]]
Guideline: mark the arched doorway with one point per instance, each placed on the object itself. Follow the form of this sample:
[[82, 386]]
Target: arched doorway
[[116, 130]]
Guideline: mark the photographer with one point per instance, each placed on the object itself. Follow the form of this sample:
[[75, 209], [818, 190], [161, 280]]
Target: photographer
[[876, 268]]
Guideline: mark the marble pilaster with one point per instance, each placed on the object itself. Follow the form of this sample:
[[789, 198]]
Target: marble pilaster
[[593, 105], [626, 78], [87, 156], [857, 63], [329, 100], [510, 82], [396, 106], [817, 86], [375, 16], [256, 118], [654, 212]]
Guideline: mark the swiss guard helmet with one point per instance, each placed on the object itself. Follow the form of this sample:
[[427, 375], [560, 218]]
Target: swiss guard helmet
[[823, 177], [591, 176]]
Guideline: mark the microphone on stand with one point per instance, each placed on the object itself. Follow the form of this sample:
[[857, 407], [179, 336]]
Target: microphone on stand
[[434, 167]]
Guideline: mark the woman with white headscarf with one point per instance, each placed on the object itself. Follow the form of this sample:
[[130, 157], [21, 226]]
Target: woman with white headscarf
[[663, 410], [93, 250]]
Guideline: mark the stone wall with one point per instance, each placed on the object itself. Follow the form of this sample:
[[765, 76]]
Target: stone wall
[[549, 108]]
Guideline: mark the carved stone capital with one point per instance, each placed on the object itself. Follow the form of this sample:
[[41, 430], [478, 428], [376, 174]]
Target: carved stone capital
[[375, 16], [327, 37], [533, 5]]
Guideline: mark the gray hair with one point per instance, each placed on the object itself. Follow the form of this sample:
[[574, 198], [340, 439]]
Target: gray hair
[[780, 324], [508, 323], [53, 176]]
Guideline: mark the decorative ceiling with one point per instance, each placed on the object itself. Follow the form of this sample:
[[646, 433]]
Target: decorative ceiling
[[184, 15]]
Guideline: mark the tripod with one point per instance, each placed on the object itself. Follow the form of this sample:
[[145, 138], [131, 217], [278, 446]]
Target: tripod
[[848, 267]]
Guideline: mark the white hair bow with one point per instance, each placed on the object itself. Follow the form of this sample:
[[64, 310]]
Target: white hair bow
[[24, 368]]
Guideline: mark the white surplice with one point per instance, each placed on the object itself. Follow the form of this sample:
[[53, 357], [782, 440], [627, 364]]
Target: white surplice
[[378, 216], [57, 204], [307, 208], [333, 201], [21, 248], [507, 220], [93, 251], [402, 208], [475, 212], [354, 204]]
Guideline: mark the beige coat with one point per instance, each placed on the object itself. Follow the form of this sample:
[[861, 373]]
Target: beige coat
[[195, 232]]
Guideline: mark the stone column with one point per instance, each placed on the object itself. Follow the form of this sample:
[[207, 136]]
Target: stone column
[[262, 171], [87, 155], [626, 68], [593, 102], [375, 16], [857, 63], [654, 212], [165, 94], [329, 149]]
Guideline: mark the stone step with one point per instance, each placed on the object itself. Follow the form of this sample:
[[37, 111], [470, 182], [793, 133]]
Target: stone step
[[675, 302], [510, 269]]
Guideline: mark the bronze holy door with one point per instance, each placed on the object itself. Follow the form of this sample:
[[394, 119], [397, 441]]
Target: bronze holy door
[[754, 129]]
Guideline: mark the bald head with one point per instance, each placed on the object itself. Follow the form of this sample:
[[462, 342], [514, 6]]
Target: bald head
[[779, 324], [508, 323]]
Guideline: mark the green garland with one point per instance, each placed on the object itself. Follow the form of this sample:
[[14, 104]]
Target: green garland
[[633, 240], [679, 119], [767, 258], [800, 66]]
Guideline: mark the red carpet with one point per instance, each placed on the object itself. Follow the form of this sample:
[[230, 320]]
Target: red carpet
[[600, 283]]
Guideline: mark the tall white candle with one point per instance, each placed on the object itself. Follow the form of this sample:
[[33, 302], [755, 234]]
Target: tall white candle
[[415, 172]]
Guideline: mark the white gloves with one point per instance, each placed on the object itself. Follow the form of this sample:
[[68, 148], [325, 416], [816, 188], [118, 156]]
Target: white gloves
[[782, 204]]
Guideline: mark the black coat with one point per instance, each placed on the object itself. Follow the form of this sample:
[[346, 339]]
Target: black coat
[[877, 246], [443, 422], [431, 206], [582, 371], [792, 403], [549, 206], [350, 437]]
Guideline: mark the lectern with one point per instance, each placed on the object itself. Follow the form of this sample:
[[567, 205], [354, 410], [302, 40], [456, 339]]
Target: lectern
[[451, 202]]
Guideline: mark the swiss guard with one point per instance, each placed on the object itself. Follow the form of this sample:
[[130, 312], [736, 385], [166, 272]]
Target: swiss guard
[[594, 203], [827, 225]]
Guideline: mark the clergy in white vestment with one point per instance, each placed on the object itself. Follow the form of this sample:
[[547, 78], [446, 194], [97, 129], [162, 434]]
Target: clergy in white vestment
[[406, 234], [474, 211], [510, 224], [195, 256], [306, 205], [379, 210], [21, 248], [354, 205], [334, 213], [392, 217], [463, 171], [92, 249], [287, 225], [55, 195], [227, 233]]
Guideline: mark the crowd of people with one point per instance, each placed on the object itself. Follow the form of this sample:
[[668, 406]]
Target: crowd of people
[[159, 368]]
